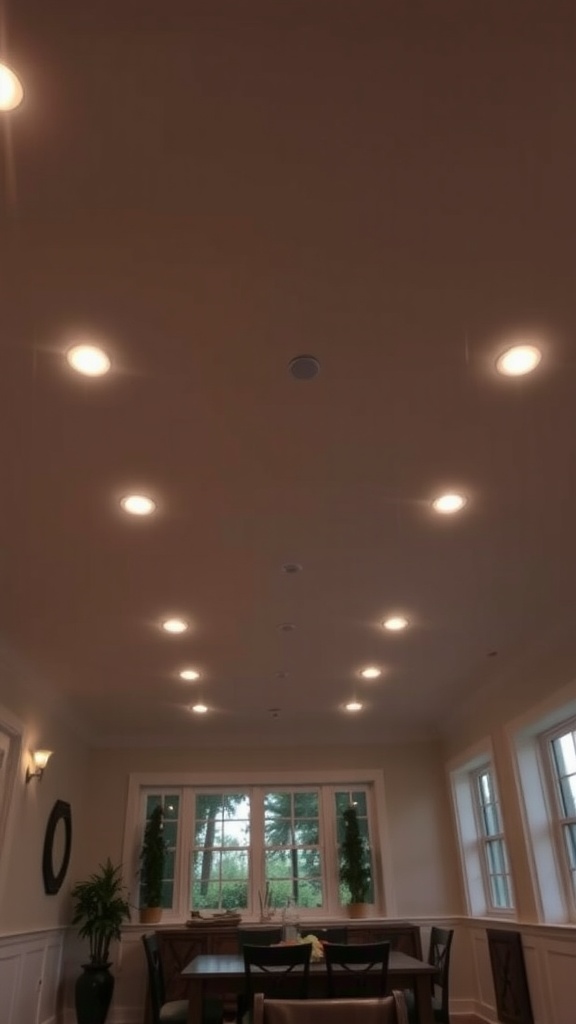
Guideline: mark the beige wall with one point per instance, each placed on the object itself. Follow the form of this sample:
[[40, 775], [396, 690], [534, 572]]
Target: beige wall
[[24, 906]]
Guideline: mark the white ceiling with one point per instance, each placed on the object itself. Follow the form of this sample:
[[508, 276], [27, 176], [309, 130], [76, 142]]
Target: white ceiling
[[210, 189]]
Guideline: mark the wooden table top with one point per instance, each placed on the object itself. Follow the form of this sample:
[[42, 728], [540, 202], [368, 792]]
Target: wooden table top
[[224, 965]]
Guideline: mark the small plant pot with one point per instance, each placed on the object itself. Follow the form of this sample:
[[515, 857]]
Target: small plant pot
[[357, 909], [150, 915]]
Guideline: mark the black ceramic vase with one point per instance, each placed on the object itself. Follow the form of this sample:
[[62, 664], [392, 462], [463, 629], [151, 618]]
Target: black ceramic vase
[[93, 993]]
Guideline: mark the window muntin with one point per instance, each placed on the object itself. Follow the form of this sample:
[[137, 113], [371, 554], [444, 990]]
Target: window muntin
[[563, 760], [495, 856], [226, 844], [292, 855], [220, 854]]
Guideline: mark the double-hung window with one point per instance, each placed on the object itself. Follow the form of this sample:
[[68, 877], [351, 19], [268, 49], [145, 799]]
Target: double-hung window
[[481, 836], [491, 836], [562, 760], [254, 847]]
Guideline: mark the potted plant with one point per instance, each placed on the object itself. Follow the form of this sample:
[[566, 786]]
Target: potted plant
[[354, 863], [152, 858], [100, 908]]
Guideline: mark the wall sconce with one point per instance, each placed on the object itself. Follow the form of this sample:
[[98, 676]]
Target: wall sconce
[[40, 759]]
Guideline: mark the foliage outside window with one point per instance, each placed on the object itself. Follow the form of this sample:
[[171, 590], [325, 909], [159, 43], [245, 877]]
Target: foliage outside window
[[228, 849]]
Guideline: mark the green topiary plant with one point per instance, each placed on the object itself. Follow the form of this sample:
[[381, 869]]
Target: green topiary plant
[[152, 858], [354, 858]]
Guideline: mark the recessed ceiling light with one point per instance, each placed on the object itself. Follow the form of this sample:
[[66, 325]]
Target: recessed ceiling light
[[354, 705], [174, 625], [189, 673], [371, 673], [304, 367], [518, 360], [395, 623], [138, 505], [199, 709], [11, 91], [89, 360], [447, 504]]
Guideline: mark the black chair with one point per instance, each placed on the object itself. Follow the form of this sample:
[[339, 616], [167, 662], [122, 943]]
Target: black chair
[[327, 934], [357, 969], [259, 936], [175, 1010], [266, 969], [438, 955]]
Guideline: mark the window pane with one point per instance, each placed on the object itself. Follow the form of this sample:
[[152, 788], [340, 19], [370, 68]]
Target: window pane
[[491, 820], [568, 795], [343, 799], [496, 856], [291, 837], [170, 803], [220, 859], [570, 839], [500, 890]]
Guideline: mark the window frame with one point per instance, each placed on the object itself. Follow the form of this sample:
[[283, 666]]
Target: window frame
[[486, 839], [558, 820], [142, 784], [462, 775]]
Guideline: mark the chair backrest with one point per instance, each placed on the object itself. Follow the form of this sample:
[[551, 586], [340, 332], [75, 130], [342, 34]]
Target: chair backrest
[[327, 934], [358, 969], [155, 975], [390, 1010], [266, 968], [259, 936], [439, 955]]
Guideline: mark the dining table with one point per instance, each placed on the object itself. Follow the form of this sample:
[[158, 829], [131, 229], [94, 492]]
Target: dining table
[[222, 973]]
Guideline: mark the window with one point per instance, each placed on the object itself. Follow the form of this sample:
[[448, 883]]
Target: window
[[252, 845], [481, 834], [562, 750], [495, 857]]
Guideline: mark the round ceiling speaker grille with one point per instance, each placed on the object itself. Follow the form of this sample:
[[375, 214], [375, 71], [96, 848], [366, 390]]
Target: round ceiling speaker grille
[[304, 367]]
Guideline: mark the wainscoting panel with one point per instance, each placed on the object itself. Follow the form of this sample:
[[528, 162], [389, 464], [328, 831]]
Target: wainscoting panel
[[550, 959], [29, 977]]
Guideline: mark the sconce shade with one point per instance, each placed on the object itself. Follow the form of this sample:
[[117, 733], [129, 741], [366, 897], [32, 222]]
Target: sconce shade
[[40, 759]]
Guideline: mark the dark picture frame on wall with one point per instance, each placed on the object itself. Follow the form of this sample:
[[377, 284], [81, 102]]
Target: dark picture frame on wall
[[57, 845]]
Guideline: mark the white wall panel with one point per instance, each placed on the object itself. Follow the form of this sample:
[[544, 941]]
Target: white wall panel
[[30, 977]]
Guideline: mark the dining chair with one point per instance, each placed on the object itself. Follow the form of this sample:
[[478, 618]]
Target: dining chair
[[266, 969], [389, 1010], [358, 969], [326, 934], [439, 955], [174, 1010], [259, 936]]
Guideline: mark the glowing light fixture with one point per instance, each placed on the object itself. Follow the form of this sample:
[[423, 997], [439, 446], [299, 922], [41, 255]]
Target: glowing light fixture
[[354, 705], [40, 759], [518, 360], [138, 505], [448, 504], [11, 90], [174, 626], [371, 673], [199, 709], [189, 674], [88, 360], [395, 623]]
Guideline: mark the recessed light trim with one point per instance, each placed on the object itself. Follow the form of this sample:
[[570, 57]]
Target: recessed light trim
[[371, 672], [11, 89], [450, 503], [90, 360], [518, 360], [189, 674], [174, 626], [354, 705], [199, 709], [304, 367], [138, 504], [395, 623]]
